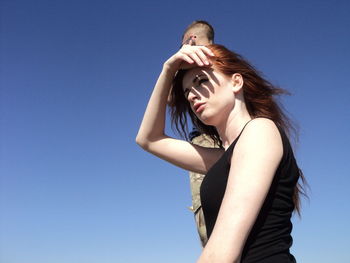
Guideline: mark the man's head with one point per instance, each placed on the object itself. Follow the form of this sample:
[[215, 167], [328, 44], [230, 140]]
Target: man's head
[[198, 33]]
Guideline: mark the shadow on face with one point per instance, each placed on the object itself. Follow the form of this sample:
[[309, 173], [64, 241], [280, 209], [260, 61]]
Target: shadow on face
[[193, 77]]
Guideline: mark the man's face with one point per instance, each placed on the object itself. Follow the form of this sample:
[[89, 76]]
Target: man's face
[[196, 36]]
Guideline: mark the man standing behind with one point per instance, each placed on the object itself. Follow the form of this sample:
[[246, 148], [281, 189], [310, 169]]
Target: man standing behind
[[198, 33]]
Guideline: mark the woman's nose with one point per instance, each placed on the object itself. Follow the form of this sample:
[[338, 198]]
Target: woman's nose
[[192, 95]]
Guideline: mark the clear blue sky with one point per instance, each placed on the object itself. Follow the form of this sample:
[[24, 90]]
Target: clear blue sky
[[75, 79]]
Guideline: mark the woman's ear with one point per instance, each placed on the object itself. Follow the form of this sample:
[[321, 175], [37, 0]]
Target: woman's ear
[[237, 82]]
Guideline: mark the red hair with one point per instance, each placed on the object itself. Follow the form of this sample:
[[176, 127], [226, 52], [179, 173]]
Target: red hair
[[259, 96]]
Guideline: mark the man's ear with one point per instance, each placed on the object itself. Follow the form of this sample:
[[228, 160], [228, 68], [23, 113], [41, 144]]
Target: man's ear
[[237, 82]]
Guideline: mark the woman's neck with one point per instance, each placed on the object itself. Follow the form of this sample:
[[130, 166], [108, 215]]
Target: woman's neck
[[233, 125]]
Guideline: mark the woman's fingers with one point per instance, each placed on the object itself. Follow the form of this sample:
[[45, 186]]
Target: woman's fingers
[[207, 51], [190, 56], [196, 54], [199, 54], [203, 57], [187, 59], [196, 59]]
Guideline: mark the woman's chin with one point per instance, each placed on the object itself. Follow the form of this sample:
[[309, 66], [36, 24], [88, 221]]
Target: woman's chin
[[206, 120]]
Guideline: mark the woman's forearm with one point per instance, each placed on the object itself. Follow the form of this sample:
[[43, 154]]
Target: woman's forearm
[[153, 123]]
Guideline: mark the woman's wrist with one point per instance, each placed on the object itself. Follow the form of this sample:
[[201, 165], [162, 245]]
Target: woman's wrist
[[168, 70]]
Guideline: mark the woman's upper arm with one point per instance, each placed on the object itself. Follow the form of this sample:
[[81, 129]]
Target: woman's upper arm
[[184, 154], [254, 162]]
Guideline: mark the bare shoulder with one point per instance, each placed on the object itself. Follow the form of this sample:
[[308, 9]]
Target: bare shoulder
[[261, 128], [261, 135]]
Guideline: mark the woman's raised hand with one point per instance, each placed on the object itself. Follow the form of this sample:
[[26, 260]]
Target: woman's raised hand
[[189, 56]]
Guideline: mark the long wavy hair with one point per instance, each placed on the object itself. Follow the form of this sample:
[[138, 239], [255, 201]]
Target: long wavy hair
[[259, 96]]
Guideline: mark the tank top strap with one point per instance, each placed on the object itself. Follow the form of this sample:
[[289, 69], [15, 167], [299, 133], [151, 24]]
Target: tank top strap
[[229, 151], [235, 141], [243, 128]]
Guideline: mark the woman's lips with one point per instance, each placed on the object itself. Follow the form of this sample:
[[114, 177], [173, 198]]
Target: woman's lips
[[199, 107]]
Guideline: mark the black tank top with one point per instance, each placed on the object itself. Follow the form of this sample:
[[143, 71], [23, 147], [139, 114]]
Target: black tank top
[[270, 238]]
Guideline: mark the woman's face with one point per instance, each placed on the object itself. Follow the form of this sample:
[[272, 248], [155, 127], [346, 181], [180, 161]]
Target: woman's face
[[210, 94]]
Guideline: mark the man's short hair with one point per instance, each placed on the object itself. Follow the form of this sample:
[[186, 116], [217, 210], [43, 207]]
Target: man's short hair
[[201, 23]]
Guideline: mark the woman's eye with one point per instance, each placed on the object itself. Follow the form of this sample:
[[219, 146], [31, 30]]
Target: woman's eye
[[201, 81]]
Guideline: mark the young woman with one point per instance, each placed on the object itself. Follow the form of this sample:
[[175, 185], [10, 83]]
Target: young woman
[[250, 189]]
